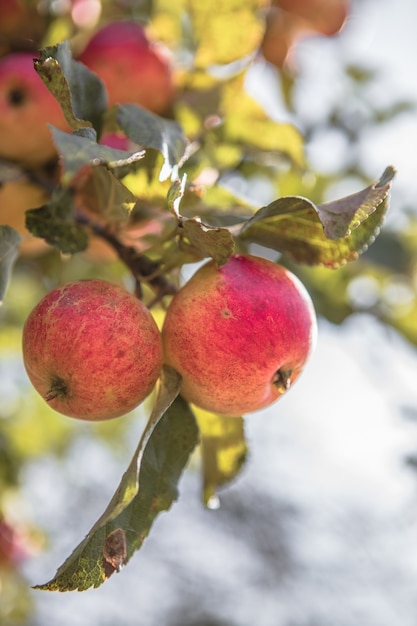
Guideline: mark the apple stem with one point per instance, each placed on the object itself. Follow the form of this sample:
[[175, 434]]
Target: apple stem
[[58, 389]]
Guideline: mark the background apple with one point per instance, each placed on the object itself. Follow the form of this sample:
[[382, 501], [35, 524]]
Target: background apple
[[12, 549], [239, 335], [92, 350], [289, 20], [22, 25], [26, 107], [132, 68], [16, 197]]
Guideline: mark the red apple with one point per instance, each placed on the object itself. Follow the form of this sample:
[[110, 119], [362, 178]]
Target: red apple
[[12, 550], [26, 109], [239, 335], [92, 350], [131, 67]]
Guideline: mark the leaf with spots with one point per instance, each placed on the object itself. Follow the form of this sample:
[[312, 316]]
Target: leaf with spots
[[330, 234], [55, 222], [79, 91], [207, 241], [148, 487]]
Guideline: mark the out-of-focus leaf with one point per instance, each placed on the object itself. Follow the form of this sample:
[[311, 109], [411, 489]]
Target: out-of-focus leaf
[[55, 223], [224, 31], [148, 487], [106, 195], [81, 93], [10, 172], [309, 234], [9, 248], [224, 451], [208, 241], [246, 122], [148, 130], [77, 151]]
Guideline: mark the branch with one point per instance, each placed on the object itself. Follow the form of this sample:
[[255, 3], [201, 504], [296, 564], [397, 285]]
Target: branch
[[142, 268]]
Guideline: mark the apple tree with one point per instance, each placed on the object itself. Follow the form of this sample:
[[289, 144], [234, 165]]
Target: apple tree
[[131, 148]]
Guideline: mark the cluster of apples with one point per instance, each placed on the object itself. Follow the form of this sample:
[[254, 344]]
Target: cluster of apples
[[239, 335], [132, 68]]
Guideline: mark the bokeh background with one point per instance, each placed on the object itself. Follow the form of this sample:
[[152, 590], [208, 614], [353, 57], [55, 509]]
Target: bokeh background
[[320, 528]]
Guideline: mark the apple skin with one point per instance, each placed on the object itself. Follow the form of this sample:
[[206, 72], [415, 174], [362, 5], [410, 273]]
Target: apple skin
[[16, 197], [26, 109], [132, 68], [239, 335], [288, 21], [325, 16], [92, 350], [12, 550]]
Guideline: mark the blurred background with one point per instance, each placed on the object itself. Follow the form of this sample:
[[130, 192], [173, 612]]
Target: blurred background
[[320, 527]]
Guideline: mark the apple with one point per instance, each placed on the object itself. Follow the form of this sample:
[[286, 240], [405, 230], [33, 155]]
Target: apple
[[325, 16], [132, 68], [239, 334], [12, 550], [92, 350], [288, 21], [21, 24], [16, 197], [26, 109]]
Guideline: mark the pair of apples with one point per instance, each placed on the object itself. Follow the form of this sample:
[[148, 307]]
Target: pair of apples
[[238, 335]]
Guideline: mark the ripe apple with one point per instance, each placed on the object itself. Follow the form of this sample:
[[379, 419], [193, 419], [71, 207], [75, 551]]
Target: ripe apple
[[92, 350], [12, 549], [26, 109], [132, 68], [239, 335]]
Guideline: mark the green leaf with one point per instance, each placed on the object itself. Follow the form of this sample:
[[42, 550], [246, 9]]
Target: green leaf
[[55, 222], [331, 234], [198, 238], [148, 487], [9, 248], [175, 195], [148, 130], [224, 31], [208, 241], [79, 91], [224, 451], [247, 123], [105, 195], [341, 217], [77, 151]]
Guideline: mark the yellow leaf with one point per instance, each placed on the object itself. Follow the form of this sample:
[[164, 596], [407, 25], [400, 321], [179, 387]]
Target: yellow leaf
[[246, 122], [223, 449]]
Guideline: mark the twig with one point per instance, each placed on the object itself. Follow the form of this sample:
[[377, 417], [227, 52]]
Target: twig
[[142, 268]]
